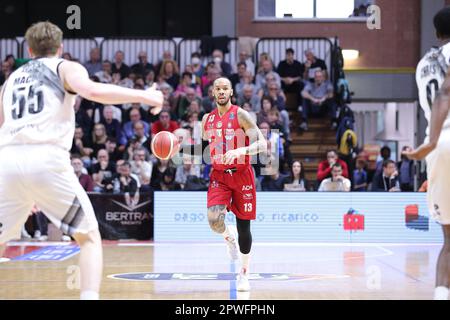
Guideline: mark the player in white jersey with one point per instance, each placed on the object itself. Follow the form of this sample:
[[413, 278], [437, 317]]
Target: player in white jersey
[[433, 81], [37, 124]]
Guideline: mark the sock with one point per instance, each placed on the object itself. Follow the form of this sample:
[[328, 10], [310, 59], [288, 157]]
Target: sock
[[441, 293], [228, 233], [89, 295], [245, 259]]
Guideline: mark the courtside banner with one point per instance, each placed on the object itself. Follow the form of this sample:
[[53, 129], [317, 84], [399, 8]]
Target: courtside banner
[[122, 217], [352, 217]]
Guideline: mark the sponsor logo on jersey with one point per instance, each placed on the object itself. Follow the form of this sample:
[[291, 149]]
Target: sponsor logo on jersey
[[231, 117], [214, 184], [219, 133], [247, 187], [219, 124], [229, 134], [247, 196]]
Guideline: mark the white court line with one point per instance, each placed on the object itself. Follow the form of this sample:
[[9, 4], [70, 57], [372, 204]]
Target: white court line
[[36, 244], [279, 244]]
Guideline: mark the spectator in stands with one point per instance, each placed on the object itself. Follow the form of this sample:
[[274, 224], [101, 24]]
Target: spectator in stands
[[291, 72], [82, 146], [274, 120], [98, 137], [248, 96], [385, 153], [187, 168], [313, 64], [141, 135], [318, 100], [164, 123], [67, 56], [82, 118], [167, 55], [119, 66], [360, 178], [94, 64], [149, 79], [12, 61], [128, 127], [85, 180], [264, 56], [387, 180], [336, 182], [208, 102], [168, 94], [244, 57], [185, 84], [325, 167], [273, 181], [211, 74], [224, 66], [5, 72], [237, 77], [113, 151], [185, 101], [266, 105], [279, 100], [267, 67], [274, 141], [105, 75], [196, 63], [128, 185], [169, 73], [247, 78], [158, 172], [406, 171], [296, 180], [112, 126], [102, 171], [143, 67], [168, 182], [142, 167]]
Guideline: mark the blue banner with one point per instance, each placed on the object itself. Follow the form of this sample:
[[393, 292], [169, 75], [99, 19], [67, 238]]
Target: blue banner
[[351, 217]]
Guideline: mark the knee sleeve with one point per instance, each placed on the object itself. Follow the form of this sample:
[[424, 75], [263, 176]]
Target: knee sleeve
[[245, 236]]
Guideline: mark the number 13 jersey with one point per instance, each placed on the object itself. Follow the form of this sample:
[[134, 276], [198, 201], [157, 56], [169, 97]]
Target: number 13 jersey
[[430, 75], [36, 107]]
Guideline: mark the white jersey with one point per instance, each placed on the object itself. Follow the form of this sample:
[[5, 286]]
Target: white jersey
[[430, 75], [37, 109]]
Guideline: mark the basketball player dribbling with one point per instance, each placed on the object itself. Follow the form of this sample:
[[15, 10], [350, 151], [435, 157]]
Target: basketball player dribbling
[[233, 137], [433, 81], [37, 125]]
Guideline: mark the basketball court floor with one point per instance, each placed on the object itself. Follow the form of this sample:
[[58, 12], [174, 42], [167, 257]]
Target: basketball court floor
[[282, 271]]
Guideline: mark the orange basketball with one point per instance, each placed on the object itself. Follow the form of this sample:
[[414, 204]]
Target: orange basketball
[[165, 145]]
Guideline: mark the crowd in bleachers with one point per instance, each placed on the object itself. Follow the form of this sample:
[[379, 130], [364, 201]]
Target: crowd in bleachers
[[111, 146]]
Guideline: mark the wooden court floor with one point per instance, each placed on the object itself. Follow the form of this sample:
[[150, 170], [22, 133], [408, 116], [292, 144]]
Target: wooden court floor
[[144, 270]]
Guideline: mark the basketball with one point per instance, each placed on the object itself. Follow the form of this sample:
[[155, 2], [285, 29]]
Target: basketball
[[165, 145]]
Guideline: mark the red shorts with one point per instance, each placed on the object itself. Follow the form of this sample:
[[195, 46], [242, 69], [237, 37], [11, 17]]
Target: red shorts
[[237, 191]]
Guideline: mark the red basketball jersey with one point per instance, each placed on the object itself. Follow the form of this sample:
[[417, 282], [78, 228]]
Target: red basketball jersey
[[224, 134]]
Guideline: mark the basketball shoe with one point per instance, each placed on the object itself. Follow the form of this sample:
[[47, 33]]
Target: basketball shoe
[[242, 281]]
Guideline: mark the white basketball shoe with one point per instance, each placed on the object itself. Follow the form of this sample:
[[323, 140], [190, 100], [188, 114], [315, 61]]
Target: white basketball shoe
[[243, 284], [232, 243]]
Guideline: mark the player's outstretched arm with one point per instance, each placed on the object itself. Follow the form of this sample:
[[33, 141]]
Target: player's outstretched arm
[[76, 79], [439, 112]]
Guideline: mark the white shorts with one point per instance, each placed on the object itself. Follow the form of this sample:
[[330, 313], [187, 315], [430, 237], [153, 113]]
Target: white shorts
[[41, 175], [438, 172]]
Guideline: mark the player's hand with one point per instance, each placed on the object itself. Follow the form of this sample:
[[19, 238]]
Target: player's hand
[[154, 98], [230, 156], [421, 152]]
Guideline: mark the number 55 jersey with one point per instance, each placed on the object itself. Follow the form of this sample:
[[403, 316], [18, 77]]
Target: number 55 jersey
[[36, 107]]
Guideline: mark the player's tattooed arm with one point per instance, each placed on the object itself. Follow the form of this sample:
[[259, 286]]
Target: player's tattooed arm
[[257, 141], [204, 135], [439, 112]]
